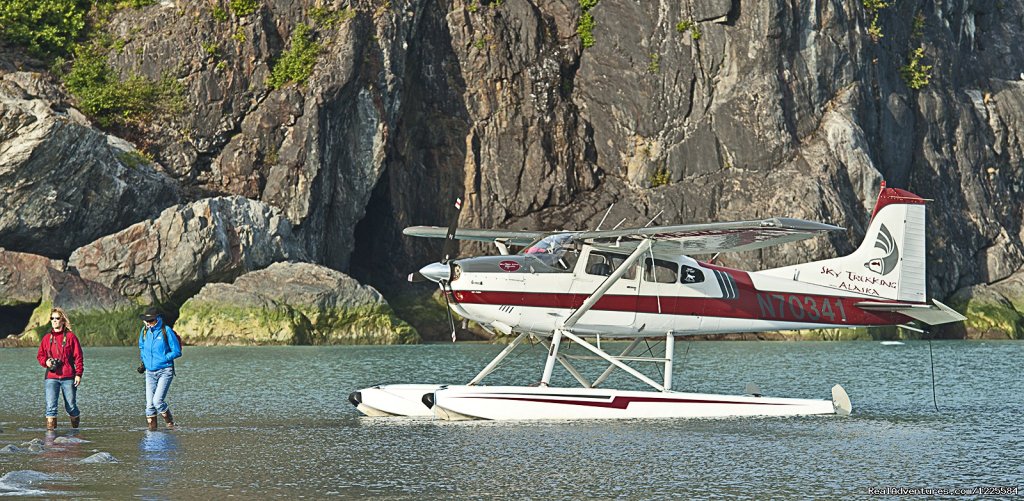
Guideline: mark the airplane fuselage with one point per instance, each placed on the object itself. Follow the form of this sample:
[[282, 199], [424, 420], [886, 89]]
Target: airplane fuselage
[[528, 293]]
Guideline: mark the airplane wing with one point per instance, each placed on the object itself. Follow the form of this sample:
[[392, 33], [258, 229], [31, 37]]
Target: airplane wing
[[711, 237], [510, 237]]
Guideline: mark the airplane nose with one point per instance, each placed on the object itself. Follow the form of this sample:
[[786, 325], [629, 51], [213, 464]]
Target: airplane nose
[[436, 272]]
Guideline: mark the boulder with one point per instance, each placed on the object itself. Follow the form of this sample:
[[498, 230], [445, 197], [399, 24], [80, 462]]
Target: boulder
[[993, 311], [291, 303], [168, 259], [62, 182], [100, 458], [22, 276]]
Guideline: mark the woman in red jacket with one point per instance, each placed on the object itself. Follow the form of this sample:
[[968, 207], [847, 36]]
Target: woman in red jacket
[[61, 354]]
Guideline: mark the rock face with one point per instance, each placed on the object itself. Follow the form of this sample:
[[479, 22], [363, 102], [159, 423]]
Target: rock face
[[168, 259], [291, 303], [701, 110], [63, 183]]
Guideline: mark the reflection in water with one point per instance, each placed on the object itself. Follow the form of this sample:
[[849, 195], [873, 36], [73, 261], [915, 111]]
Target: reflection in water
[[158, 454], [158, 448]]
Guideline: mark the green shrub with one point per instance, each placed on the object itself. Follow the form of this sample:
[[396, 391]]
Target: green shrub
[[243, 8], [44, 27], [295, 64], [220, 15], [917, 29], [109, 100], [916, 75], [684, 25], [585, 28], [654, 63], [325, 17], [660, 177], [874, 5]]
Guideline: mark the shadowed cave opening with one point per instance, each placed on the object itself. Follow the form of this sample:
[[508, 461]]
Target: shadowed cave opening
[[14, 319], [375, 255]]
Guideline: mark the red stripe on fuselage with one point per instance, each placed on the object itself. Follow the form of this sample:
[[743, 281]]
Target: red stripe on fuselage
[[750, 304]]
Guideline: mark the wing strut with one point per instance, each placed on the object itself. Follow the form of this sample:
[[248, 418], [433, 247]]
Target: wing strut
[[556, 340], [607, 284]]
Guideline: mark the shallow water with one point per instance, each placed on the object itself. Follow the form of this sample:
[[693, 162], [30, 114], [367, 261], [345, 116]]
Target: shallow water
[[275, 421]]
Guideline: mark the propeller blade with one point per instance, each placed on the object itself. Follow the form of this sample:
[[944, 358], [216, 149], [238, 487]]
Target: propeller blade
[[449, 239], [416, 277], [448, 308]]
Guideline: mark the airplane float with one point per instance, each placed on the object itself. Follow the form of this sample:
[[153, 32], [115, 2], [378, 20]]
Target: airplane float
[[640, 284]]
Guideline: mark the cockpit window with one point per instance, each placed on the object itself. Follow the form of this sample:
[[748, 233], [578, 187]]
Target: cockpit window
[[558, 251], [657, 270], [604, 264]]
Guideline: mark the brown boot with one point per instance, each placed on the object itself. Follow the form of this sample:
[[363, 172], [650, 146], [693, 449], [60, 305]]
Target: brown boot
[[51, 423], [168, 418], [75, 420], [151, 422]]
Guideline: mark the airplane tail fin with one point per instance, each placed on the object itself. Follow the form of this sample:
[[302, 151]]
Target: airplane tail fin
[[890, 262]]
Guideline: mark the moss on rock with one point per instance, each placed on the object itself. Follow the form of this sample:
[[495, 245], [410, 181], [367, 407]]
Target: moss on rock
[[215, 323], [93, 327], [989, 315]]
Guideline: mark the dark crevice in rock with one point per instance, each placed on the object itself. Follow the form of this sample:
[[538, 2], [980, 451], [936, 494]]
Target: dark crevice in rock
[[14, 319], [371, 261]]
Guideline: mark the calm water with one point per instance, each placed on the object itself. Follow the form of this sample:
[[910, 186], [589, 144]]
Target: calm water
[[275, 422]]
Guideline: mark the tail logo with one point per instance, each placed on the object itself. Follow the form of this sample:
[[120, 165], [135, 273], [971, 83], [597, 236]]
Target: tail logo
[[885, 264]]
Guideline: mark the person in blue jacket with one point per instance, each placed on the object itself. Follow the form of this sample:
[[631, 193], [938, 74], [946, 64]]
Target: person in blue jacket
[[158, 347]]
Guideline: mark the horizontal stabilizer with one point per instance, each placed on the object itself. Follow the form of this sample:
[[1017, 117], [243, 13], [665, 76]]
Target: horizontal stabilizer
[[931, 314]]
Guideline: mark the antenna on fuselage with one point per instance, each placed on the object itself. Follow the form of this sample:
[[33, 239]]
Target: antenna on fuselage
[[609, 211], [656, 216]]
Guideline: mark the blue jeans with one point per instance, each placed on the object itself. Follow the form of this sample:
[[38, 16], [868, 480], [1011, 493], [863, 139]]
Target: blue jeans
[[66, 387], [157, 384]]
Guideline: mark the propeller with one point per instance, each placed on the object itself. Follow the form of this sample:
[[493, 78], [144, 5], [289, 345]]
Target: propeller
[[449, 251], [441, 272], [433, 271]]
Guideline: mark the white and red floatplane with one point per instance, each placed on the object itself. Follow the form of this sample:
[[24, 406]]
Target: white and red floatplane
[[640, 284]]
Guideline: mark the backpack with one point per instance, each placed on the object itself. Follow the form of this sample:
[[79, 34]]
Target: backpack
[[168, 343]]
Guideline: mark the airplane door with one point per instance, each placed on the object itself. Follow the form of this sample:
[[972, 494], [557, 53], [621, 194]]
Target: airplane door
[[618, 306]]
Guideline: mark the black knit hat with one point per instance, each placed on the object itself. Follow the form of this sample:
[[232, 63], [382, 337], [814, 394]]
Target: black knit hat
[[151, 313]]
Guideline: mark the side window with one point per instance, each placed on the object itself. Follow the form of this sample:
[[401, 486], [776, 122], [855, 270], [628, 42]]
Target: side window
[[691, 275], [663, 272], [604, 264]]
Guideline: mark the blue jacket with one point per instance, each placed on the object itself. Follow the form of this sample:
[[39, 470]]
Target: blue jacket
[[156, 351]]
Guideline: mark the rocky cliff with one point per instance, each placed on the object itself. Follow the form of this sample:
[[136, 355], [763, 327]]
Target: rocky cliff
[[542, 113]]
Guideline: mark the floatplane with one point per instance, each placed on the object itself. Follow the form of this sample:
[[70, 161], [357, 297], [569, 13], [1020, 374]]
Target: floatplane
[[641, 284]]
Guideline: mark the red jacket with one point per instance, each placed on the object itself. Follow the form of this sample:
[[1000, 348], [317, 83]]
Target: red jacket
[[64, 346]]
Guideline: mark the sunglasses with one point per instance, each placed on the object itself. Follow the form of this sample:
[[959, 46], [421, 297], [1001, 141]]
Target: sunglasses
[[54, 318]]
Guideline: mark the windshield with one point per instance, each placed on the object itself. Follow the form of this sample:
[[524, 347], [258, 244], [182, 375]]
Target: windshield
[[558, 251]]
